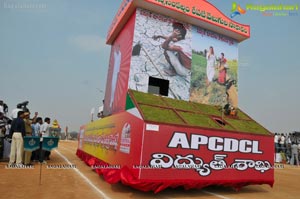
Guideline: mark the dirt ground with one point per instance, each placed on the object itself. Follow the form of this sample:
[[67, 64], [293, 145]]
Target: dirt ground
[[79, 181]]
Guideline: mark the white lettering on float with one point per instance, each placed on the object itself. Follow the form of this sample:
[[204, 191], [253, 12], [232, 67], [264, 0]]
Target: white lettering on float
[[180, 139]]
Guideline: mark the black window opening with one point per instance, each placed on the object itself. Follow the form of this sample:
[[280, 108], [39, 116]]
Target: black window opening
[[158, 86], [220, 121]]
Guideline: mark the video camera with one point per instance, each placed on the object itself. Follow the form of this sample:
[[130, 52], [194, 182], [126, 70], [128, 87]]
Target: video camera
[[23, 105]]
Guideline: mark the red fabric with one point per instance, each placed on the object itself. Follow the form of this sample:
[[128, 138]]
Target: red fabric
[[124, 175], [222, 76]]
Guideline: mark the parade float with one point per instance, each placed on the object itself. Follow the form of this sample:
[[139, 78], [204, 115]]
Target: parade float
[[169, 120]]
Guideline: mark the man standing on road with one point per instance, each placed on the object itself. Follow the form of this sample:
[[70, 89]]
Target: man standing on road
[[36, 132], [294, 154], [17, 132], [66, 132], [28, 129], [45, 133]]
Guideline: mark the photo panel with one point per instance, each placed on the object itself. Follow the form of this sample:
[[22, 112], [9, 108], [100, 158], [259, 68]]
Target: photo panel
[[161, 56], [214, 68]]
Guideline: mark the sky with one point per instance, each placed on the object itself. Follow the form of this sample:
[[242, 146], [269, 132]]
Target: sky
[[53, 54]]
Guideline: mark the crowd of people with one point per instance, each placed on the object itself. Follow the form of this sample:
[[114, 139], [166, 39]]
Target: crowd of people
[[15, 127], [288, 146]]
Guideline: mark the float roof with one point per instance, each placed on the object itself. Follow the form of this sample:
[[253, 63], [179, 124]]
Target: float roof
[[159, 109], [200, 13]]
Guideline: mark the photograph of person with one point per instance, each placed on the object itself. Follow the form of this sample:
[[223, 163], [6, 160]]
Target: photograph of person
[[210, 65], [161, 49], [177, 52], [117, 62], [214, 77], [222, 68]]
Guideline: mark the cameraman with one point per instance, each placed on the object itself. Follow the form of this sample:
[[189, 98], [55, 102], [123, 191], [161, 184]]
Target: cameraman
[[20, 107], [14, 112]]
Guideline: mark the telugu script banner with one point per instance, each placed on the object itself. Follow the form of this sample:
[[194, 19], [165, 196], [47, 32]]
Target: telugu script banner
[[116, 140], [205, 154]]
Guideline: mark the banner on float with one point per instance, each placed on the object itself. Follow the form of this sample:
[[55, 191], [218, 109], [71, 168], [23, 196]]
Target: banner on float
[[116, 140], [206, 154], [118, 70], [31, 143], [50, 143]]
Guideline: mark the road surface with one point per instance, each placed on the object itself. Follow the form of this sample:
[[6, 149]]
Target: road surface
[[66, 176]]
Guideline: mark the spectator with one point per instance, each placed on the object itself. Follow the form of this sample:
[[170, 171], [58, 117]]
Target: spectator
[[288, 140], [45, 132], [14, 113], [295, 154], [288, 153], [37, 126], [67, 132], [100, 112], [28, 130], [7, 144], [17, 132], [3, 123], [37, 132], [276, 139], [282, 141]]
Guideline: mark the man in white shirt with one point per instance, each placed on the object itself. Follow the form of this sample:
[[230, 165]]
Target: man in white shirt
[[36, 132], [100, 113], [276, 137], [45, 127], [44, 132], [14, 113]]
